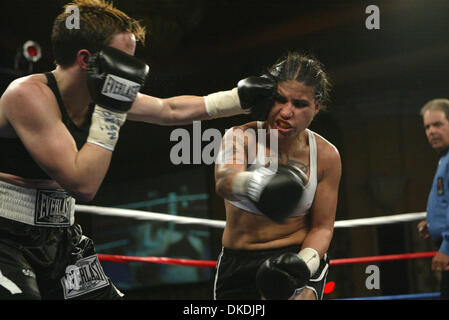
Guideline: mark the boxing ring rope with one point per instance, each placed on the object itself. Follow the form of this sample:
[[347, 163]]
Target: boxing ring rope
[[146, 215], [162, 260], [335, 262], [211, 264], [390, 257]]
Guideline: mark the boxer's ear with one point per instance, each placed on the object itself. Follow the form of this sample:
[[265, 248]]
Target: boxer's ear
[[317, 106], [82, 58]]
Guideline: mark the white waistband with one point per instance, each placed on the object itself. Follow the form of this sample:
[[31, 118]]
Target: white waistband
[[37, 207]]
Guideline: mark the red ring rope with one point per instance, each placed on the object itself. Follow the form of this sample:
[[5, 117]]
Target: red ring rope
[[391, 257], [211, 264], [183, 262]]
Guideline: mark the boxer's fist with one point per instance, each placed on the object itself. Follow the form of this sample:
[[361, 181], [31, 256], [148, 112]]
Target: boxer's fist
[[114, 78], [275, 194], [257, 95], [278, 277]]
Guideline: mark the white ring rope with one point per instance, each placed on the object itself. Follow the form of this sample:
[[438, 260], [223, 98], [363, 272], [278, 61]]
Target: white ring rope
[[405, 217], [146, 215]]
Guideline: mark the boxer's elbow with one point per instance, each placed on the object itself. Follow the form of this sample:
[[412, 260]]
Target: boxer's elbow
[[223, 189], [172, 117], [82, 193], [86, 196], [219, 187], [81, 187], [224, 177], [83, 196]]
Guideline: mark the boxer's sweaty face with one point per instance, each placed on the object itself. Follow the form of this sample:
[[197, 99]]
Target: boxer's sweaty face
[[437, 129], [124, 41], [294, 108]]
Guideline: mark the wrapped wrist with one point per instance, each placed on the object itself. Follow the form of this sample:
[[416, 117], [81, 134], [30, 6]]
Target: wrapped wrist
[[105, 127], [223, 104], [311, 258]]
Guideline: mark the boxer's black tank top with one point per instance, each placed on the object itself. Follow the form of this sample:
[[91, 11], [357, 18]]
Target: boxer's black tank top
[[14, 157]]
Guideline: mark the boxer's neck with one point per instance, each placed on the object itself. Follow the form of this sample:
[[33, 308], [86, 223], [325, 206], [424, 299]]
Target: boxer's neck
[[298, 141], [73, 89]]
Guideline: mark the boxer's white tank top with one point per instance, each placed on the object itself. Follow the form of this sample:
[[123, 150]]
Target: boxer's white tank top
[[306, 201]]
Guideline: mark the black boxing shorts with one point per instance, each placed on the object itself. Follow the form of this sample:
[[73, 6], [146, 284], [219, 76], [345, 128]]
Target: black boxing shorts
[[43, 254], [235, 277], [50, 263]]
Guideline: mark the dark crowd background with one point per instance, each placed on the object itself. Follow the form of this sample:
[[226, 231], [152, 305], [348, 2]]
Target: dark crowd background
[[381, 78]]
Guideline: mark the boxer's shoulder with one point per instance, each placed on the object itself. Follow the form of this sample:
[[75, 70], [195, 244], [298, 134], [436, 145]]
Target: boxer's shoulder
[[324, 146], [246, 132], [28, 86], [29, 94], [328, 156], [245, 127]]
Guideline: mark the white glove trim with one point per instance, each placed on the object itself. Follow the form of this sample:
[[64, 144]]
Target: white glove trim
[[311, 258], [223, 104]]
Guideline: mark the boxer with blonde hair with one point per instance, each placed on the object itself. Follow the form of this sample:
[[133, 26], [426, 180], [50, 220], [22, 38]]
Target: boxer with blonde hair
[[58, 131]]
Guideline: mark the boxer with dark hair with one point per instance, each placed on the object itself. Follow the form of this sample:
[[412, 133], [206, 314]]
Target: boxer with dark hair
[[279, 213], [57, 134]]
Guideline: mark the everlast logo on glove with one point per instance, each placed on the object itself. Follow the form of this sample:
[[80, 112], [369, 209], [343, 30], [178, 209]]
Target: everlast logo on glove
[[119, 88], [85, 276]]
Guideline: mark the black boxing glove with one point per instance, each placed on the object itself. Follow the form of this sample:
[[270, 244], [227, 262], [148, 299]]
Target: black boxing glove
[[258, 94], [114, 78], [275, 194], [278, 277], [254, 95]]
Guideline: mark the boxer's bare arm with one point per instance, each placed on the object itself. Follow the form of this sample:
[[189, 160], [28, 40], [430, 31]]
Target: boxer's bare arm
[[186, 109], [324, 206], [171, 111], [32, 111], [232, 160]]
